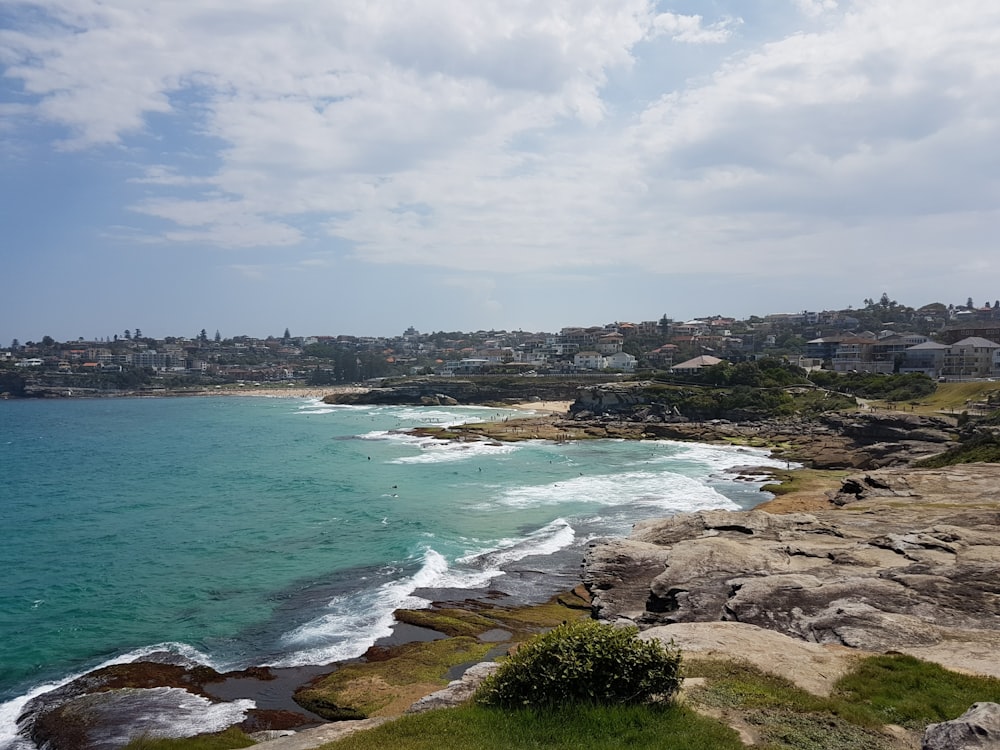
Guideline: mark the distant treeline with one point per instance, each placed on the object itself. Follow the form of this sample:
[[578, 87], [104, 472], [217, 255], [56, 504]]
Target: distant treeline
[[772, 387], [908, 387]]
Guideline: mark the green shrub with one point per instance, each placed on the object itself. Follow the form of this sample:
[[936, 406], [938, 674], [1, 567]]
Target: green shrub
[[584, 662], [980, 446], [905, 387]]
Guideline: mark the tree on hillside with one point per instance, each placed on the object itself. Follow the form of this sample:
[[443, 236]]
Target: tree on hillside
[[287, 335], [218, 336], [48, 341]]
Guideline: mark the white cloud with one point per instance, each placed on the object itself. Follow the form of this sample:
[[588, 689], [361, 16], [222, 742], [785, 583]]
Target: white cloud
[[166, 175], [222, 222], [691, 29], [493, 135], [815, 8]]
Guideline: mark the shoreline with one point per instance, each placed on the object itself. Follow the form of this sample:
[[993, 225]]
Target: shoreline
[[491, 598], [402, 633]]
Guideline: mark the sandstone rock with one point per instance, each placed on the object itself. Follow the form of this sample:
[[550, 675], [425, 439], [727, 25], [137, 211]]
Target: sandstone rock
[[618, 572], [979, 727], [307, 739], [911, 563], [458, 691], [811, 666]]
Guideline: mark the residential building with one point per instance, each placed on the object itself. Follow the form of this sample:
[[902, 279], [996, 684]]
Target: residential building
[[662, 356], [620, 361], [972, 357], [695, 365], [927, 358], [152, 359], [858, 355], [610, 343], [589, 361], [989, 330]]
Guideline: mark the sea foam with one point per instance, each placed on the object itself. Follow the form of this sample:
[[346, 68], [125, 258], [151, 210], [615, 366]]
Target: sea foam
[[355, 621], [477, 568], [180, 653], [436, 451]]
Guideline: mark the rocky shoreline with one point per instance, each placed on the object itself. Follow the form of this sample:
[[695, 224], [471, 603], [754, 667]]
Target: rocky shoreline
[[909, 561], [889, 558]]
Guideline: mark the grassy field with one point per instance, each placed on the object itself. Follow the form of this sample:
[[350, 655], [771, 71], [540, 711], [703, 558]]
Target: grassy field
[[955, 397]]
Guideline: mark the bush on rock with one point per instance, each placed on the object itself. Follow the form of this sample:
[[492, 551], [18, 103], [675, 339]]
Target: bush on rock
[[584, 662]]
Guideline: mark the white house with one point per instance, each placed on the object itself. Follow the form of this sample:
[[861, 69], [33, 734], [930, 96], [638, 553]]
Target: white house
[[971, 357], [589, 361], [620, 361]]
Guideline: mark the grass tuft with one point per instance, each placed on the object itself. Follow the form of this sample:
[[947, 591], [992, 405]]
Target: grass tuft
[[231, 738], [900, 689], [576, 728]]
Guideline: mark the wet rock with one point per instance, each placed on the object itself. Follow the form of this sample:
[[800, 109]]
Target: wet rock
[[106, 708], [110, 719]]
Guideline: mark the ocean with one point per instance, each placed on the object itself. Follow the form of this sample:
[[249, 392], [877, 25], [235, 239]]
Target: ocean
[[245, 531]]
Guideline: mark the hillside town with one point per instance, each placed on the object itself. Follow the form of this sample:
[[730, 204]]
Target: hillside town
[[943, 341]]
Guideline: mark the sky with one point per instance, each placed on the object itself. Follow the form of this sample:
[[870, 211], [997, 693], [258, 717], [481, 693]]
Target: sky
[[247, 166]]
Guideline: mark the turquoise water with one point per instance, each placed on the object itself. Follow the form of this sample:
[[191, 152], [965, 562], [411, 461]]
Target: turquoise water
[[284, 531]]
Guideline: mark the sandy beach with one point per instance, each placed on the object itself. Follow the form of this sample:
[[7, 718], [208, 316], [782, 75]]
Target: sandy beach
[[548, 407]]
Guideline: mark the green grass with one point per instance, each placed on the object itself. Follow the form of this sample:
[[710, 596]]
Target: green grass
[[804, 480], [953, 396], [231, 738], [357, 691], [578, 728], [887, 689], [902, 690], [447, 621], [981, 447]]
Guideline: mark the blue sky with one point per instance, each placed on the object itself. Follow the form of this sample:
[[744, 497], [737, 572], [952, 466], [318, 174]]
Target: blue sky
[[359, 168]]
